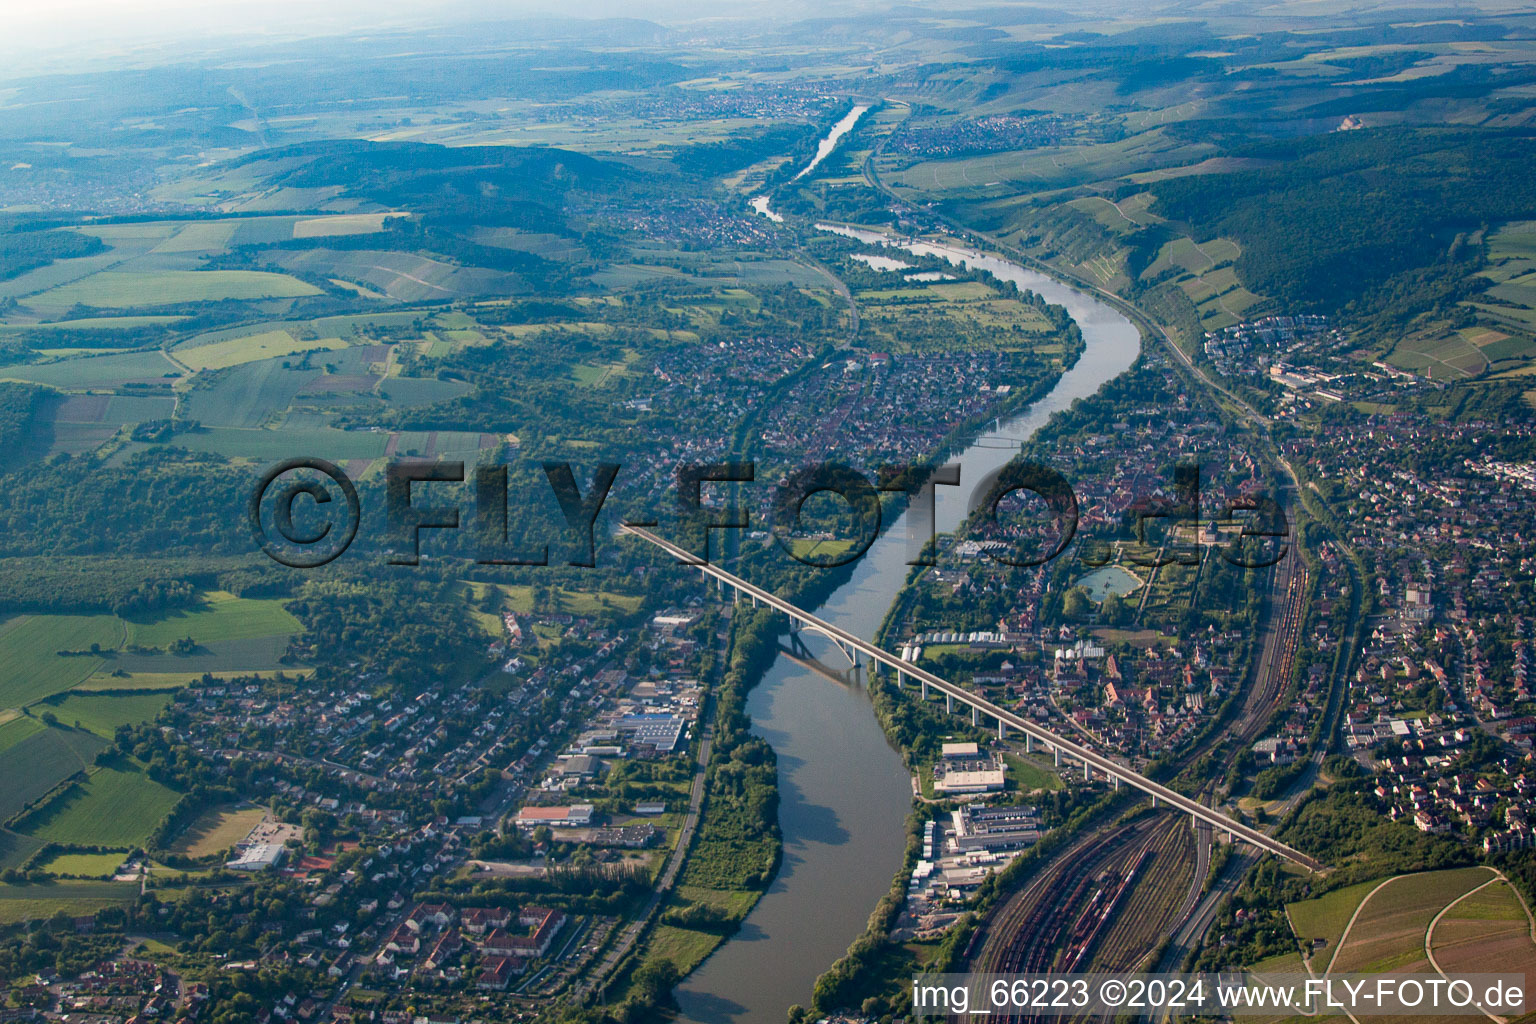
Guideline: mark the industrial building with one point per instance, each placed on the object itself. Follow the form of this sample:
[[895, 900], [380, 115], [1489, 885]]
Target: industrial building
[[964, 768], [994, 828], [258, 857]]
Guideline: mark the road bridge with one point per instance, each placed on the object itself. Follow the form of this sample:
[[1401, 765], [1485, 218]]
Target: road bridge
[[853, 647]]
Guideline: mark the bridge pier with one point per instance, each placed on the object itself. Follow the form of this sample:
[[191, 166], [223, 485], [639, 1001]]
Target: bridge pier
[[1002, 729], [1116, 780], [1057, 751], [1154, 801], [1087, 772], [1029, 743], [975, 716], [949, 703], [925, 688]]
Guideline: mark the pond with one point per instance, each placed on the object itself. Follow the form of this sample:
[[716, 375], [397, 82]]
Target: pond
[[1110, 579]]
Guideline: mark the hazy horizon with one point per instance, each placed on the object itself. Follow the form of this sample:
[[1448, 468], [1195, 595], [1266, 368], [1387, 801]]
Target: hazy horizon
[[71, 32]]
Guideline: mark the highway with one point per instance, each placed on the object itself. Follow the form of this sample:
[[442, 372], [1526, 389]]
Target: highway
[[853, 645]]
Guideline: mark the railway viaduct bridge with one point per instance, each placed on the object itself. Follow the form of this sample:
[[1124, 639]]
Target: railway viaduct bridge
[[854, 648]]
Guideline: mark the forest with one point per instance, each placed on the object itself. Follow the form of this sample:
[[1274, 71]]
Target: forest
[[1331, 219]]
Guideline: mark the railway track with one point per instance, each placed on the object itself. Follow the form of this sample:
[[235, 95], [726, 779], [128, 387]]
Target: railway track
[[1063, 920], [1042, 927]]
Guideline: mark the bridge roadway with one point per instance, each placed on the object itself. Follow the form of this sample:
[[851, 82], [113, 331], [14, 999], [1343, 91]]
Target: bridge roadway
[[852, 645]]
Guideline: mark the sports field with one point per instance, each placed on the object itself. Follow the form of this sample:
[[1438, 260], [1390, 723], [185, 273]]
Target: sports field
[[217, 829]]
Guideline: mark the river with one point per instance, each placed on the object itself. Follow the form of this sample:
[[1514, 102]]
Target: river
[[844, 791], [824, 149]]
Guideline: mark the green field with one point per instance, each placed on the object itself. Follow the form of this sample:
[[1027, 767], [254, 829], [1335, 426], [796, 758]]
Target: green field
[[199, 236], [223, 626], [1389, 932], [33, 902], [575, 602], [95, 371], [109, 323], [30, 665], [145, 681], [1325, 917], [683, 946], [18, 729], [323, 442], [84, 865], [114, 289], [1056, 167], [117, 806], [266, 345], [40, 762], [102, 713], [1026, 777], [221, 616]]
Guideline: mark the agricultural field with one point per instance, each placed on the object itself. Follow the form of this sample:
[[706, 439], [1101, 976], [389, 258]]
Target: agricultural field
[[36, 901], [102, 713], [1322, 920], [216, 830], [116, 289], [113, 411], [1045, 169], [118, 805], [1391, 922], [924, 316], [39, 762], [1491, 925], [1440, 354], [31, 666], [341, 224], [221, 616], [92, 371], [108, 323], [146, 681], [249, 349], [44, 655], [405, 277]]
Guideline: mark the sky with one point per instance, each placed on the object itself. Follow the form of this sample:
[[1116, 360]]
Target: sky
[[51, 30]]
